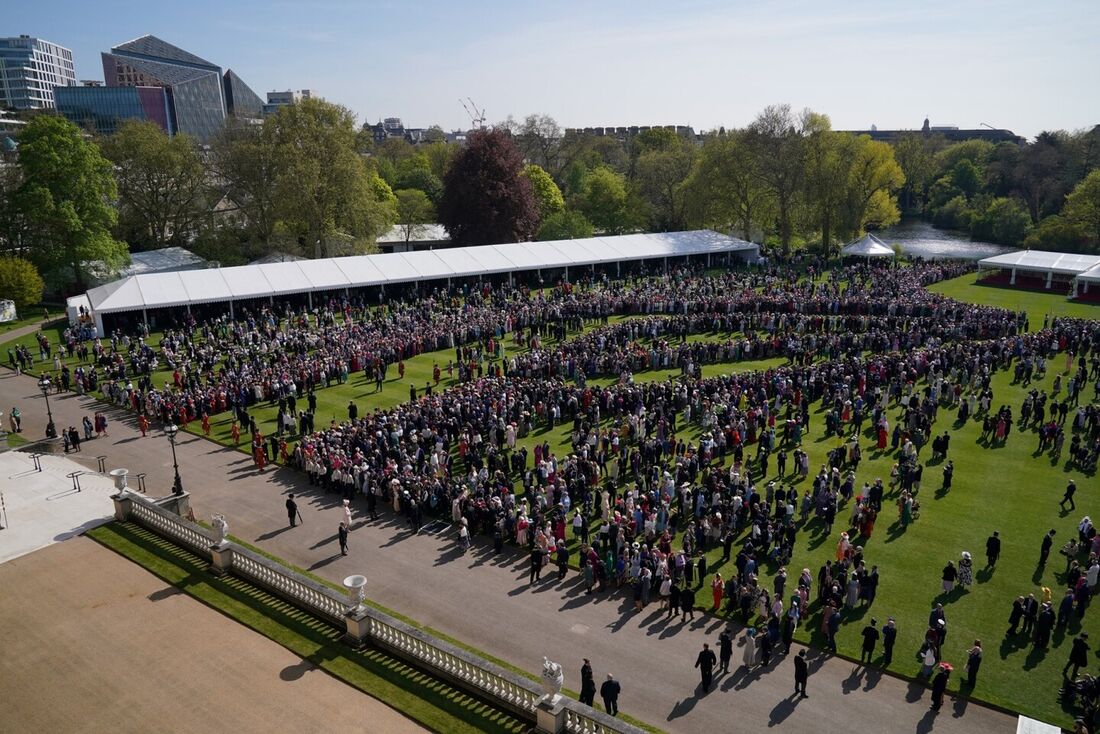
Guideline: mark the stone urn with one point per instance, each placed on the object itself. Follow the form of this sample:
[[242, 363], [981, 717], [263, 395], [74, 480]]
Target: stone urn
[[119, 475], [356, 586]]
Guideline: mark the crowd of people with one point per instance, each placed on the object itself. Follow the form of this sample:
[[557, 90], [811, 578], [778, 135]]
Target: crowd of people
[[871, 349]]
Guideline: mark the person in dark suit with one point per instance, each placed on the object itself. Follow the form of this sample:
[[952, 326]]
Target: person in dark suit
[[939, 685], [291, 510], [588, 684], [889, 636], [705, 662], [609, 692], [992, 549], [343, 536], [725, 650], [801, 673], [1044, 549]]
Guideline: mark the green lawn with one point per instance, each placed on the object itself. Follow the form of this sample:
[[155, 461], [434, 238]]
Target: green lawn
[[1008, 489], [1005, 489], [1037, 304], [32, 315]]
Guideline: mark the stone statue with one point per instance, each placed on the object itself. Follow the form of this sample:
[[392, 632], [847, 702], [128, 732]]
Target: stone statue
[[552, 679], [221, 528]]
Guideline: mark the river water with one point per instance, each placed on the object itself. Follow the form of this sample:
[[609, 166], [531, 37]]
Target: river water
[[920, 239]]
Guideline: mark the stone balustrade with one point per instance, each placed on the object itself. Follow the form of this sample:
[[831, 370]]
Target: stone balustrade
[[467, 671]]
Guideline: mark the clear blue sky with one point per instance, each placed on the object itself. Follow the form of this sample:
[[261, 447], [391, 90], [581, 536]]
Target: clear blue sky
[[1028, 66]]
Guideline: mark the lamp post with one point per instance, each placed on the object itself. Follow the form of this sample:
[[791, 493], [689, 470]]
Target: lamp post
[[171, 430], [44, 386]]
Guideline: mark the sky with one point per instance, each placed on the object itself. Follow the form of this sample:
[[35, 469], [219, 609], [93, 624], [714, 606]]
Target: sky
[[1025, 66]]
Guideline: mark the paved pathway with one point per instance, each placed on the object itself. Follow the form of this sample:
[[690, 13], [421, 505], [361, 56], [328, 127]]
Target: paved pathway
[[486, 601], [93, 642]]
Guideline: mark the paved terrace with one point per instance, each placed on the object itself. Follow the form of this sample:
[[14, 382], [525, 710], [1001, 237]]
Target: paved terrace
[[486, 601], [93, 642]]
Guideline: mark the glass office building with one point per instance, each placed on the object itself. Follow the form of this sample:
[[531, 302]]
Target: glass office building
[[198, 95], [240, 101], [101, 109], [30, 70]]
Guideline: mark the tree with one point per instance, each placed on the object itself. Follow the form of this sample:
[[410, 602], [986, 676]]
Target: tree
[[723, 191], [244, 157], [564, 225], [1059, 234], [538, 138], [485, 199], [1039, 176], [64, 200], [546, 192], [966, 177], [916, 155], [420, 178], [954, 214], [1083, 206], [873, 177], [659, 176], [162, 194], [414, 209], [604, 201], [1004, 221], [326, 195], [20, 281], [828, 159], [776, 140]]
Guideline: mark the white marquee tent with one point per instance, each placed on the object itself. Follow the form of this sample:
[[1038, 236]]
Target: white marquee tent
[[269, 280], [867, 246], [1041, 262]]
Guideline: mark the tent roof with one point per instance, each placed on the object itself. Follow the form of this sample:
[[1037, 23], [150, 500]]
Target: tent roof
[[1061, 263], [868, 246], [166, 290], [1092, 275]]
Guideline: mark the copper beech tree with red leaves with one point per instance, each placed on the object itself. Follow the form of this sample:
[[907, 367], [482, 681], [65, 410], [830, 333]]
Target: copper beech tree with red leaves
[[486, 200]]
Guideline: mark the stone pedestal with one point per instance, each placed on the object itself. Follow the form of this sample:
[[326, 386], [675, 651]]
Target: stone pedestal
[[358, 628], [550, 715], [122, 502], [221, 559]]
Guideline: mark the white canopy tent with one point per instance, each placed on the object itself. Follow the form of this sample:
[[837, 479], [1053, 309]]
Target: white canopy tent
[[867, 246], [1041, 262], [1083, 280], [273, 279]]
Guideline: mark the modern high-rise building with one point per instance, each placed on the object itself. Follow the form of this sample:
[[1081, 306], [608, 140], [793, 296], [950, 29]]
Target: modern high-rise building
[[30, 69]]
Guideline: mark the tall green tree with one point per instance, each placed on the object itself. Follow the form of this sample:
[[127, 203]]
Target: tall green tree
[[326, 195], [659, 176], [564, 225], [243, 157], [873, 179], [1083, 206], [776, 139], [20, 281], [162, 191], [547, 194], [915, 153], [604, 201], [65, 201], [724, 191], [414, 210], [486, 199]]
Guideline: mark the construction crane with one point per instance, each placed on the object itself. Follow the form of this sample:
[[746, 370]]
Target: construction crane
[[477, 117]]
